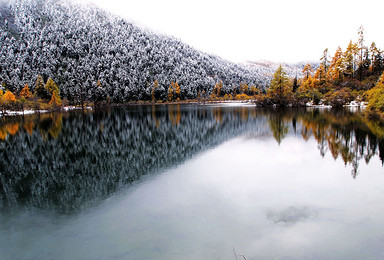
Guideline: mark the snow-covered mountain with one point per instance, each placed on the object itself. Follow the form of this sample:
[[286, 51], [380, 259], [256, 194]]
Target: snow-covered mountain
[[77, 45]]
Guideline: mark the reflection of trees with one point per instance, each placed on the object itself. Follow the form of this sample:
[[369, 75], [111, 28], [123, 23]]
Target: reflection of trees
[[278, 127], [97, 153], [218, 114], [346, 135], [69, 161], [174, 113], [48, 124]]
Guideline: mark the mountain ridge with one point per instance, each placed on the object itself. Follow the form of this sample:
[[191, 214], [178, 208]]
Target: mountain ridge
[[80, 45]]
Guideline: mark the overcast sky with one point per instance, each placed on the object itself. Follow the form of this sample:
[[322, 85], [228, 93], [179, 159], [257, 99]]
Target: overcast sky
[[241, 30]]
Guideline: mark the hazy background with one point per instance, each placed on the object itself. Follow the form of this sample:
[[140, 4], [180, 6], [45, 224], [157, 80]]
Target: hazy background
[[241, 30]]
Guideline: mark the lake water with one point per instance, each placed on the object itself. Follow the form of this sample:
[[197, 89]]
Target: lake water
[[192, 182]]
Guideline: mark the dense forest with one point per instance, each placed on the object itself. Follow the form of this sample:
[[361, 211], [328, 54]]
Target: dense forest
[[95, 56]]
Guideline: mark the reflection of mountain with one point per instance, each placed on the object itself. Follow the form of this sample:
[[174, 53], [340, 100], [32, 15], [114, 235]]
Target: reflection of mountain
[[69, 162]]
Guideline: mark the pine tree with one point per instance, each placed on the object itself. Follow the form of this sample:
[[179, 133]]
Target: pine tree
[[295, 85], [40, 90], [377, 64], [155, 86]]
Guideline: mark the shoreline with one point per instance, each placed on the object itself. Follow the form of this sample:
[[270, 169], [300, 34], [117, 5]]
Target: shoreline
[[9, 113]]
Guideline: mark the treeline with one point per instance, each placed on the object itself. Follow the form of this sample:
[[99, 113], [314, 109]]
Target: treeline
[[353, 74], [46, 96]]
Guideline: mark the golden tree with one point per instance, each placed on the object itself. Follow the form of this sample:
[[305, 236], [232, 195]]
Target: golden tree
[[25, 93], [280, 91], [177, 91], [170, 93], [320, 75], [216, 92], [308, 91], [375, 97], [174, 91], [348, 62], [9, 97], [335, 69], [51, 87], [55, 100], [308, 70]]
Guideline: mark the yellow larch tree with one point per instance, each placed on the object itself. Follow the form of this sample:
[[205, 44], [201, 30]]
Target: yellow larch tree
[[308, 70], [335, 68], [55, 100], [25, 93]]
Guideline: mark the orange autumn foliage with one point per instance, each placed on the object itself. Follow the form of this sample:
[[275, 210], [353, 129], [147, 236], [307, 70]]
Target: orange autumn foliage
[[9, 97], [12, 128], [25, 93]]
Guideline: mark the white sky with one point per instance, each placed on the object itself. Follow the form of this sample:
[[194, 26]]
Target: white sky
[[241, 30]]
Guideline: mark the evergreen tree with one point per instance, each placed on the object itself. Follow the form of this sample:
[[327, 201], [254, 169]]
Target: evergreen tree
[[40, 90], [155, 86], [295, 85]]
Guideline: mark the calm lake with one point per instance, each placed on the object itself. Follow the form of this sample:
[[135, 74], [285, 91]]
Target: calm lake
[[192, 182]]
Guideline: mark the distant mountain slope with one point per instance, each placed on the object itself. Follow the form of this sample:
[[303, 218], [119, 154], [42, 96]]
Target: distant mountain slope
[[292, 69], [77, 45]]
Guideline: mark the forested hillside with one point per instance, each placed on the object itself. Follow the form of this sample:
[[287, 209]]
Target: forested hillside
[[93, 55]]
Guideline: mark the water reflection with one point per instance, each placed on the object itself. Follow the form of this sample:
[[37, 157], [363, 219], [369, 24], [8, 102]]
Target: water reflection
[[343, 133], [70, 161]]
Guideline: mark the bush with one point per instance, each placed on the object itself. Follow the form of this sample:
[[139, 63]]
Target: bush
[[338, 98]]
